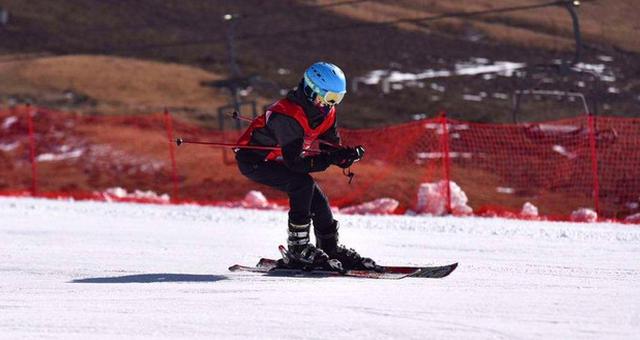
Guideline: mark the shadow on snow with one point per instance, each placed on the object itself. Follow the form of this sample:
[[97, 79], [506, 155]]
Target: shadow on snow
[[150, 278]]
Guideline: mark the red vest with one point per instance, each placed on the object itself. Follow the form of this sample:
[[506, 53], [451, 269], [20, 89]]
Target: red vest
[[295, 111]]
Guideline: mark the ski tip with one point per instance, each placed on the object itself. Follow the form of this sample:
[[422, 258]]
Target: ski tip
[[234, 267], [452, 268], [446, 270], [435, 272]]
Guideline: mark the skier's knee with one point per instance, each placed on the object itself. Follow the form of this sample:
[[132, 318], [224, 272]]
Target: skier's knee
[[303, 182], [307, 180]]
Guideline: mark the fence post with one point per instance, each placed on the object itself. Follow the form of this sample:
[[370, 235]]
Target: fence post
[[32, 152], [446, 160], [594, 162], [168, 124]]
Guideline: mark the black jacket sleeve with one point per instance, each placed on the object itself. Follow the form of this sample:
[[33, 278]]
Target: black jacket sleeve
[[290, 136], [292, 156], [331, 136]]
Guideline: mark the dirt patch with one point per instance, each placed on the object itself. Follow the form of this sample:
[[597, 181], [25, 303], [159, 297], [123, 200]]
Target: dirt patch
[[604, 23], [122, 85]]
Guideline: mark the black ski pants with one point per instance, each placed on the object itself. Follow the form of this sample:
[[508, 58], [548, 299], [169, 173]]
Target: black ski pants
[[306, 199]]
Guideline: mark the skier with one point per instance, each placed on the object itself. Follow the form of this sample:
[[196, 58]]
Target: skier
[[305, 115]]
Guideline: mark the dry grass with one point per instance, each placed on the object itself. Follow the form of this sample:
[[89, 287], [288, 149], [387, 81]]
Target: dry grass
[[605, 22], [120, 85]]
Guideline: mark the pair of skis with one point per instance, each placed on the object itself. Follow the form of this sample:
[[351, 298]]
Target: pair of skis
[[270, 267]]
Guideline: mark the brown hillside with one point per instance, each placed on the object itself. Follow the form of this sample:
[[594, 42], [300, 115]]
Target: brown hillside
[[274, 41], [612, 23], [112, 84]]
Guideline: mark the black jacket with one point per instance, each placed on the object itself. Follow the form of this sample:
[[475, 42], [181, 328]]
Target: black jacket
[[286, 131]]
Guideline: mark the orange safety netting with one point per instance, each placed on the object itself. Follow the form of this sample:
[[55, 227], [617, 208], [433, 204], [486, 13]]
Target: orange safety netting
[[559, 166]]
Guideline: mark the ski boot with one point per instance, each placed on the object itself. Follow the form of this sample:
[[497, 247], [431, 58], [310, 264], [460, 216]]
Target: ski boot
[[304, 255], [349, 258]]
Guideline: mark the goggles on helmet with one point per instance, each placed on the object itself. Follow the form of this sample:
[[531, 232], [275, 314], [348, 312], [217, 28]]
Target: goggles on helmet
[[325, 97], [331, 98]]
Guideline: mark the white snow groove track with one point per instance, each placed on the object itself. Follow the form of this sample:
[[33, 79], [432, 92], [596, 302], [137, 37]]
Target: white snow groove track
[[114, 270]]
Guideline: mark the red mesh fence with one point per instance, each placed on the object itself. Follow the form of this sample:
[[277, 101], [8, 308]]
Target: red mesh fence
[[507, 165], [558, 166]]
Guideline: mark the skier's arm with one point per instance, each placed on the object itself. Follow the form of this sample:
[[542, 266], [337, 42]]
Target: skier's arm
[[291, 154], [341, 155], [332, 136], [289, 135]]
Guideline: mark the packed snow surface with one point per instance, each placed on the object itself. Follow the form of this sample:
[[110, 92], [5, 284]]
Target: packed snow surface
[[118, 270]]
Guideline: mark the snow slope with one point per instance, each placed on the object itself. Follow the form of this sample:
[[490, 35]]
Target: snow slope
[[116, 270]]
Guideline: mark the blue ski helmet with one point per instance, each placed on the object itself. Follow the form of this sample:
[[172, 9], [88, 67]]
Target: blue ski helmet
[[326, 82]]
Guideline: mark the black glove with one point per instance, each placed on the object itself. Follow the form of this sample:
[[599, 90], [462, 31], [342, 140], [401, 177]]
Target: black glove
[[345, 157]]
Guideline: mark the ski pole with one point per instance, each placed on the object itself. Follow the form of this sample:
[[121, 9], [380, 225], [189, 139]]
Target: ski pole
[[180, 141], [236, 115]]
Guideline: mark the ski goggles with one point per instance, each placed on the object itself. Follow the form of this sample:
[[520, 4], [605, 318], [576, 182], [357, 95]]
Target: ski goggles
[[331, 98]]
